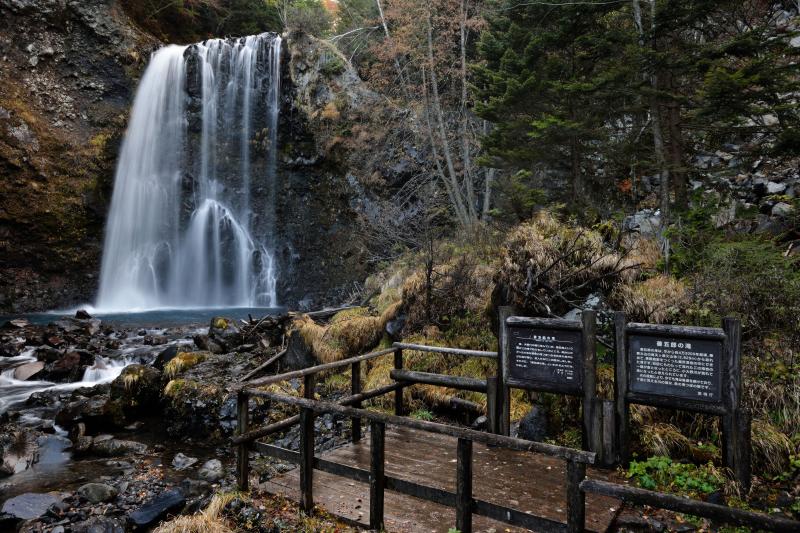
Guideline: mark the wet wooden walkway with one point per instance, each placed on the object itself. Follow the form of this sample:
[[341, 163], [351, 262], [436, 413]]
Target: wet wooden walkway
[[522, 480]]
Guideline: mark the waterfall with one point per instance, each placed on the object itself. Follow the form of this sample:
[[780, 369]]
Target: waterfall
[[192, 215]]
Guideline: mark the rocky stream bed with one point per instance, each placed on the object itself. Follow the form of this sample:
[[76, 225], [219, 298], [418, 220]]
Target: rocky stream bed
[[114, 428]]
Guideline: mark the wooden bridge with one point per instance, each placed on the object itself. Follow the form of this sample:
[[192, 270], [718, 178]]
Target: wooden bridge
[[424, 476]]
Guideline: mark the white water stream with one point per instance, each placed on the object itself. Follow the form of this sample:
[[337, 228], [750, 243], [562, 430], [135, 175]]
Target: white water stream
[[14, 391], [191, 224]]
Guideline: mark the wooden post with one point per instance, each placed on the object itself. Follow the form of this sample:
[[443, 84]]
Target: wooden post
[[243, 450], [464, 486], [621, 389], [591, 435], [377, 479], [492, 415], [742, 472], [307, 460], [609, 439], [576, 505], [731, 391], [398, 394], [355, 388], [503, 392]]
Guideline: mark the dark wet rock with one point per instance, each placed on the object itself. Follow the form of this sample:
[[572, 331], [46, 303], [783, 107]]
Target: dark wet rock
[[82, 314], [117, 447], [195, 487], [69, 368], [224, 332], [28, 370], [92, 411], [48, 354], [182, 462], [99, 524], [97, 492], [155, 340], [211, 471], [394, 327], [717, 497], [165, 356], [29, 505], [298, 354], [157, 508], [480, 423], [137, 390], [533, 425]]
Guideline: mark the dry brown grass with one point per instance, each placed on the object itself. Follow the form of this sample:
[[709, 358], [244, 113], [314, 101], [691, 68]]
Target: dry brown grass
[[665, 439], [458, 287], [207, 521], [349, 333], [549, 266], [183, 362], [771, 449], [655, 300]]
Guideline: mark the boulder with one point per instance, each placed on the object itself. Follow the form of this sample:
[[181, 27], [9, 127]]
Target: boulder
[[28, 370], [181, 462], [154, 340], [97, 492], [116, 447], [225, 333], [70, 367], [165, 356], [533, 425], [82, 314], [29, 505], [782, 209], [211, 471], [135, 391], [157, 508], [394, 327]]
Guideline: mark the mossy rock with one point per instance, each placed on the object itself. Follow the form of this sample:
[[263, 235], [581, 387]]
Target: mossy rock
[[135, 391]]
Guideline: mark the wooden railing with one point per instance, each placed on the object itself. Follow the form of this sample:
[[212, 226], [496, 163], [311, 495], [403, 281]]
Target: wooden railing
[[462, 499], [577, 486]]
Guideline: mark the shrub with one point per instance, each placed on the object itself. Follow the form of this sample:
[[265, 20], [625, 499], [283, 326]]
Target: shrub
[[549, 267], [751, 279], [661, 473]]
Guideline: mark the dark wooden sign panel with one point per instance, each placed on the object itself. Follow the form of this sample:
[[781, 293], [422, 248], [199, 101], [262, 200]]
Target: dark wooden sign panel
[[545, 356], [676, 367]]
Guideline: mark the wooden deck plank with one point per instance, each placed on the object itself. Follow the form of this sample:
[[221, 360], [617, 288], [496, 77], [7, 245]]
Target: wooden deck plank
[[529, 482]]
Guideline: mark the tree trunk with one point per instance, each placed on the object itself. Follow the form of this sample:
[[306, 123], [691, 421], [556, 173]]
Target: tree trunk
[[439, 118], [677, 168]]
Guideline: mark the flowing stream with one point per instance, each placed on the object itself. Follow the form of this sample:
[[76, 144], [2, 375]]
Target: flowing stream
[[192, 216], [14, 391]]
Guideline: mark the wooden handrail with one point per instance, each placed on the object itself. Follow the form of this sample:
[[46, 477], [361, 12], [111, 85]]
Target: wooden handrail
[[292, 420], [442, 380], [513, 443], [722, 513], [313, 369], [445, 350]]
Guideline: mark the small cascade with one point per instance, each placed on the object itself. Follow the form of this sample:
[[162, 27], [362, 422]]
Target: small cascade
[[15, 391], [192, 216]]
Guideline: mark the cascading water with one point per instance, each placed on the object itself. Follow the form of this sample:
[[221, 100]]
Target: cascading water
[[193, 211]]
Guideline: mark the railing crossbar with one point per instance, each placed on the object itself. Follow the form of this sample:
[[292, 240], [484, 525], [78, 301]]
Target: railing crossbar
[[513, 443]]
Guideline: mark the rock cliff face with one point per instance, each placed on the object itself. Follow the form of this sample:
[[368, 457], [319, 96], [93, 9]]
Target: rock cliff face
[[344, 150], [68, 69], [68, 72]]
